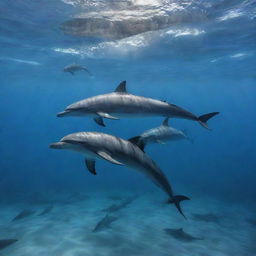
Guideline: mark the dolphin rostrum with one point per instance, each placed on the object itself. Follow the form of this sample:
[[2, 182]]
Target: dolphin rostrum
[[117, 151], [121, 103], [160, 134], [72, 68]]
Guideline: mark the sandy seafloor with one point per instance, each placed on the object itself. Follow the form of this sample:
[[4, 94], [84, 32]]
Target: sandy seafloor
[[139, 230]]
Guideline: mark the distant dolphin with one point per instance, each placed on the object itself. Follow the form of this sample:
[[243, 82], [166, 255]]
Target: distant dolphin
[[160, 134], [117, 151], [181, 235], [104, 223], [120, 103], [23, 214], [72, 68]]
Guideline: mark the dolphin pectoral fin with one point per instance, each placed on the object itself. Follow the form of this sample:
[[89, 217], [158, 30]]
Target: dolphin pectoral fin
[[90, 164], [99, 121], [165, 122], [71, 72], [107, 157], [106, 115], [121, 88]]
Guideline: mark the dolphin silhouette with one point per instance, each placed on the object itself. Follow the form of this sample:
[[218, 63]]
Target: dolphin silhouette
[[72, 68]]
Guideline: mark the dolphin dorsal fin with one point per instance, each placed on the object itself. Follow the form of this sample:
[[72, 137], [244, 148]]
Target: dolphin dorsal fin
[[165, 122], [121, 88], [137, 140]]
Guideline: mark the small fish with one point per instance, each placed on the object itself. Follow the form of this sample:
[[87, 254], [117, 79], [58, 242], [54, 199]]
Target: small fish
[[6, 242], [179, 234], [23, 214], [104, 223], [46, 210], [72, 68], [208, 217]]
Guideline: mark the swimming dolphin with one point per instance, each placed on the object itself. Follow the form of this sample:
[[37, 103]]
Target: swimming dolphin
[[23, 214], [181, 235], [104, 223], [117, 207], [121, 103], [117, 151], [72, 68], [159, 134], [46, 210]]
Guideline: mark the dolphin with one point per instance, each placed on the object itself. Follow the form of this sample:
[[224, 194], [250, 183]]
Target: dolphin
[[23, 214], [6, 242], [72, 68], [104, 223], [181, 235], [121, 103], [118, 151], [159, 134]]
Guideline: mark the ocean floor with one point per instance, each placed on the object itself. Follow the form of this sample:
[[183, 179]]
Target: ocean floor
[[116, 224]]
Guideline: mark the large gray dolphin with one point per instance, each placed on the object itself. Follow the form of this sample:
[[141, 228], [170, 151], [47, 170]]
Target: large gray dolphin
[[96, 145], [160, 134], [121, 103]]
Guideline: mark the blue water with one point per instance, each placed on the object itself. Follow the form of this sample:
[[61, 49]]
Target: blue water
[[204, 65]]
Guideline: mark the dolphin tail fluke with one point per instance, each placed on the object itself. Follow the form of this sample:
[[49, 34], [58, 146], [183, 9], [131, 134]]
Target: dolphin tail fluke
[[138, 141], [176, 201], [204, 118]]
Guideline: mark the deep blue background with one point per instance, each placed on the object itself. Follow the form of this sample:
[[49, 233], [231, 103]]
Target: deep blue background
[[195, 72]]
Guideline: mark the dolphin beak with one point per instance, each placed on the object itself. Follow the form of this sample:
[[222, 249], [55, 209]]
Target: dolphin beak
[[63, 113], [57, 145]]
